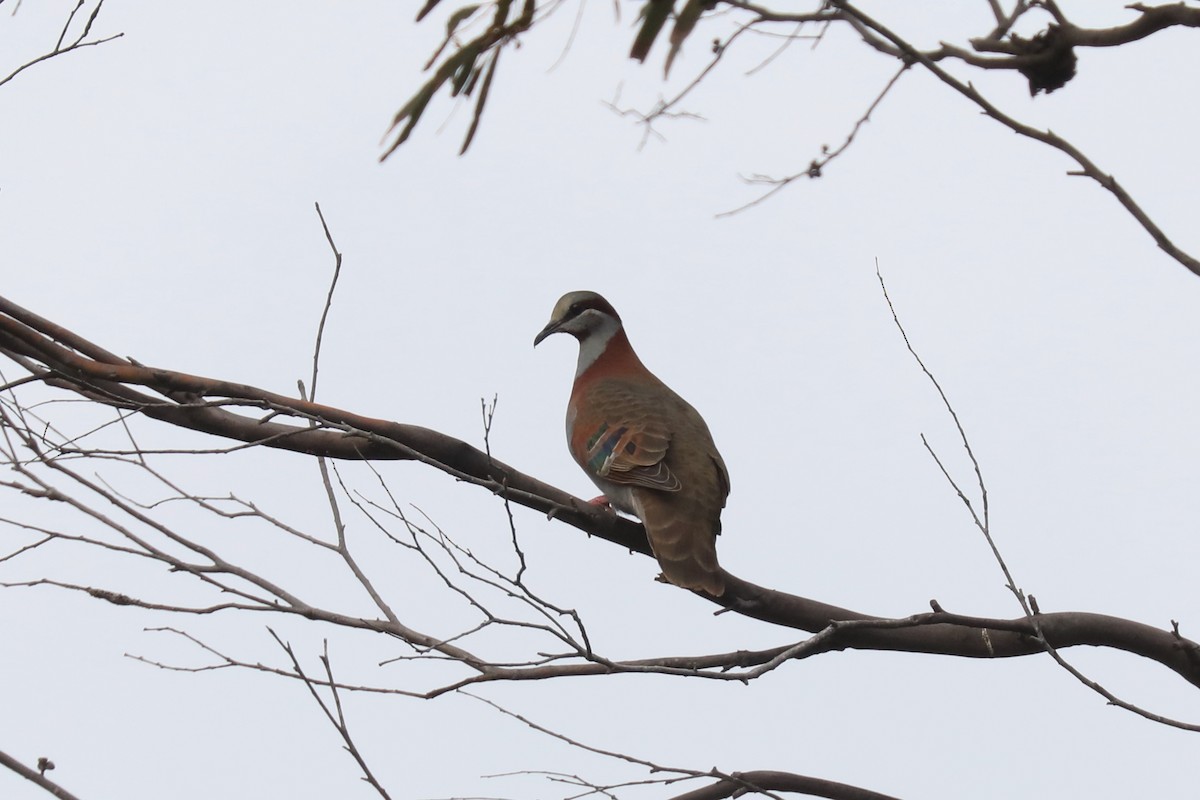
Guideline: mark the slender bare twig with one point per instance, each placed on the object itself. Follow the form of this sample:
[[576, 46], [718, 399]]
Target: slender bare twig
[[343, 548], [817, 166], [728, 784], [680, 772], [984, 526], [665, 109], [336, 715], [78, 43], [788, 40], [337, 271]]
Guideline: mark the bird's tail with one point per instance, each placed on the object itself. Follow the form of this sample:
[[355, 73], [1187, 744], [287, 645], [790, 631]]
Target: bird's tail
[[684, 542]]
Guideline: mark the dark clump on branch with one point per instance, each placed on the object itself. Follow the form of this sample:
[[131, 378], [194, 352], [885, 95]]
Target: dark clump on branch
[[1056, 65]]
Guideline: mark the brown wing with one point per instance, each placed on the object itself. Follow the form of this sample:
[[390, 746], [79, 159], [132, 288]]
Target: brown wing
[[682, 526], [632, 453], [621, 434]]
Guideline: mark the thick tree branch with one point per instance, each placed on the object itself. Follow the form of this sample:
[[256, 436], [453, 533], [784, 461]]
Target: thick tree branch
[[758, 781], [1152, 19], [75, 364], [36, 777], [969, 639], [188, 401]]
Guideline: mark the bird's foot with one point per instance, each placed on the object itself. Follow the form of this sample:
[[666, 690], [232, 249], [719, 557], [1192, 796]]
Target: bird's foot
[[585, 506]]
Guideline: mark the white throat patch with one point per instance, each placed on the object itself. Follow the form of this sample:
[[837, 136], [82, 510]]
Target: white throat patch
[[600, 329]]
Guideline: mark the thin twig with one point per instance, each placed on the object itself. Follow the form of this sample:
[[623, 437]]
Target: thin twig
[[817, 166], [337, 271], [984, 526], [338, 720], [59, 50]]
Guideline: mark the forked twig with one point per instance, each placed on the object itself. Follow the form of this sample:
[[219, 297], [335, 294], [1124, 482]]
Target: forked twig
[[78, 43], [984, 525], [817, 166], [336, 715]]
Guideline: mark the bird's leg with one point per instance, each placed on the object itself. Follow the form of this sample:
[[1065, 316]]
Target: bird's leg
[[587, 505]]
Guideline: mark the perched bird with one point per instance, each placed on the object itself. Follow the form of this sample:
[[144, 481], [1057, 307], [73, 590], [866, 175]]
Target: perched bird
[[642, 444]]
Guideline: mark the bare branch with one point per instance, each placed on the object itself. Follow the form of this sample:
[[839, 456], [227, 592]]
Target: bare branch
[[78, 43], [817, 165], [337, 271], [75, 370], [1086, 166], [1032, 614], [768, 781], [728, 784], [336, 716], [35, 776]]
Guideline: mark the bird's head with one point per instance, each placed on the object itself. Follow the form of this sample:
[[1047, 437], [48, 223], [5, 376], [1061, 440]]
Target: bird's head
[[584, 315]]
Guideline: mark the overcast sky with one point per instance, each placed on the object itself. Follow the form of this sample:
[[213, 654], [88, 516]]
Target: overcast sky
[[156, 196]]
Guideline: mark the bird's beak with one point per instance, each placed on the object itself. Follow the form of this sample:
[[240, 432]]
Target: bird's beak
[[551, 327]]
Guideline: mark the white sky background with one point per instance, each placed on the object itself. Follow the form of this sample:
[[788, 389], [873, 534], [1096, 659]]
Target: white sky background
[[156, 196]]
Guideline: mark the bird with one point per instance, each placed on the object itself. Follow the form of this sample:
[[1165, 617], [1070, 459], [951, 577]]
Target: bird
[[644, 446]]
